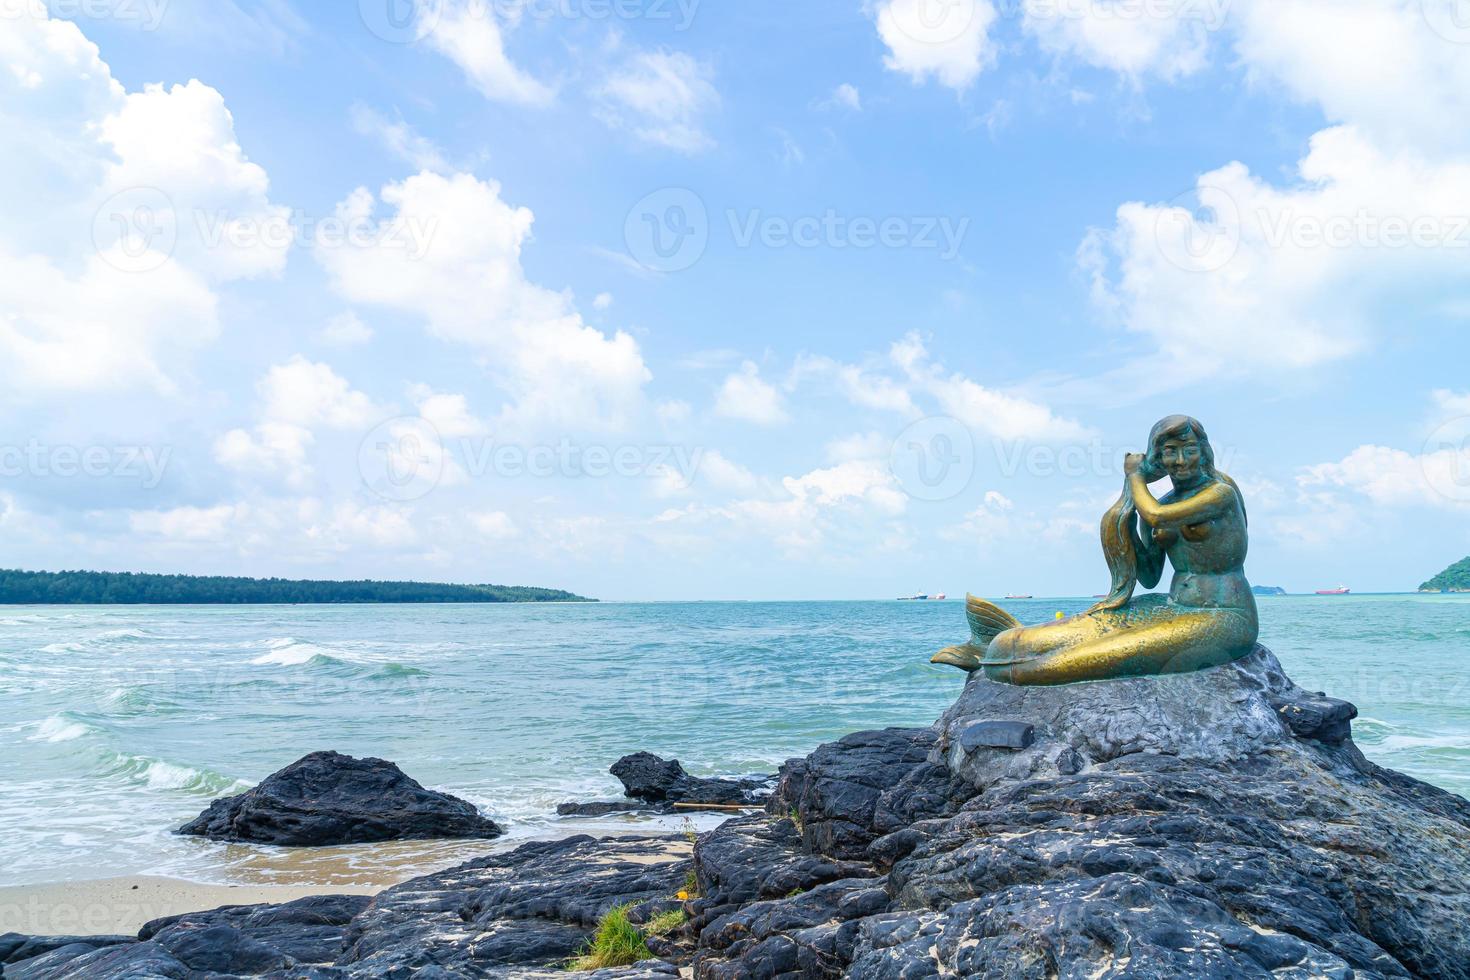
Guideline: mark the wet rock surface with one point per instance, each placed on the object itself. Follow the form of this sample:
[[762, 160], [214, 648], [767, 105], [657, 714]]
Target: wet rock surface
[[1155, 827], [328, 798]]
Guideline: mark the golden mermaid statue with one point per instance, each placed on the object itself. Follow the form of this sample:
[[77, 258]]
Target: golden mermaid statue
[[1207, 619]]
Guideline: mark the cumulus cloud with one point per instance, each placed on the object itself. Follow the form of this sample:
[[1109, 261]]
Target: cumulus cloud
[[1168, 38], [985, 410], [469, 287], [661, 97], [345, 330], [746, 396], [122, 212], [949, 42], [469, 33], [1263, 276], [296, 398]]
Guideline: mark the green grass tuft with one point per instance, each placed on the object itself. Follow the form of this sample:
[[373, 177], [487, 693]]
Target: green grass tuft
[[665, 922], [618, 942], [691, 883]]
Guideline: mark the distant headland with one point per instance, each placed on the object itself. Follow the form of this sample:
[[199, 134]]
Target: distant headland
[[1456, 578], [127, 588]]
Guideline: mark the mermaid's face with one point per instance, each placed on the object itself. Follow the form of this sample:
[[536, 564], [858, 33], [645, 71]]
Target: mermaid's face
[[1180, 456]]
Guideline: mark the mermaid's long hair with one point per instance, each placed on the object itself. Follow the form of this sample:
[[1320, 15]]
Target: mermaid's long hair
[[1120, 532]]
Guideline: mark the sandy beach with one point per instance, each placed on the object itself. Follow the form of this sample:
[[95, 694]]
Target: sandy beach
[[120, 906]]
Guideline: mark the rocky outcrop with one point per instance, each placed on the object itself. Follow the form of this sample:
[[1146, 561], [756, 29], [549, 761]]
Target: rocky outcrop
[[652, 783], [1216, 824], [1172, 826], [327, 798]]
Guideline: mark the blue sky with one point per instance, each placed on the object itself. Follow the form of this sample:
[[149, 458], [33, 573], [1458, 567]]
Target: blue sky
[[692, 299]]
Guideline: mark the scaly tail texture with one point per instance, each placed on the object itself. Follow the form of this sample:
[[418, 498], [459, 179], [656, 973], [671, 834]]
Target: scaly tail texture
[[987, 621]]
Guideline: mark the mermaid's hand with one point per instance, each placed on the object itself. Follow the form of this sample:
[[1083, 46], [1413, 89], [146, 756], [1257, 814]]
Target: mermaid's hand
[[1134, 463]]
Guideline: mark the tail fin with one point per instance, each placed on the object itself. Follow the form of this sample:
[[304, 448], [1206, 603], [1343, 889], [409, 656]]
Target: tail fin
[[987, 621]]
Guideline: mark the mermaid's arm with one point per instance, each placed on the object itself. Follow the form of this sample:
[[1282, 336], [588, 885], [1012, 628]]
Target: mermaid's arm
[[1194, 510]]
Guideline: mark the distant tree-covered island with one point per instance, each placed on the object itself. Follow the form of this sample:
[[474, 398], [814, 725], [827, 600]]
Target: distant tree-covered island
[[127, 588], [1456, 578], [1267, 590]]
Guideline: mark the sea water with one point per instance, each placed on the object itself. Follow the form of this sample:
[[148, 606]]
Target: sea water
[[121, 723]]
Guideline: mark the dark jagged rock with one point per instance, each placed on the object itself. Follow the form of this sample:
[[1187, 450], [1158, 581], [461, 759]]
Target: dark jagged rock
[[997, 735], [1318, 716], [328, 798], [241, 940], [536, 906], [651, 779], [15, 947], [852, 791], [654, 785], [597, 808], [1156, 827]]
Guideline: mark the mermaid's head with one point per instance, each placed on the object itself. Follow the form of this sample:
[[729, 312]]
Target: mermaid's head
[[1179, 448]]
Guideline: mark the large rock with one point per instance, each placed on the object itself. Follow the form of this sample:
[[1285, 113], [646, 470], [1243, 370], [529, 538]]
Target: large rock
[[1173, 826], [327, 798]]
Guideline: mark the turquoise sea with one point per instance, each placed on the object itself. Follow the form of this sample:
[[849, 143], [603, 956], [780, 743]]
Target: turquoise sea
[[122, 722]]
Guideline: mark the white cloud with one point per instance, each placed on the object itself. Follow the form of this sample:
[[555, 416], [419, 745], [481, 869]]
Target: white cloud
[[449, 414], [345, 330], [859, 384], [309, 393], [470, 288], [673, 411], [1005, 416], [720, 472], [121, 211], [494, 525], [1438, 477], [1268, 277], [947, 41], [847, 96], [602, 302], [661, 97], [744, 395], [296, 398], [1168, 38], [1417, 78], [400, 139], [186, 523], [469, 34]]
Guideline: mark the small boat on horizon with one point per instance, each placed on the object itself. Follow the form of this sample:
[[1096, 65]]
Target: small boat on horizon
[[1020, 596], [921, 597], [1340, 590]]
